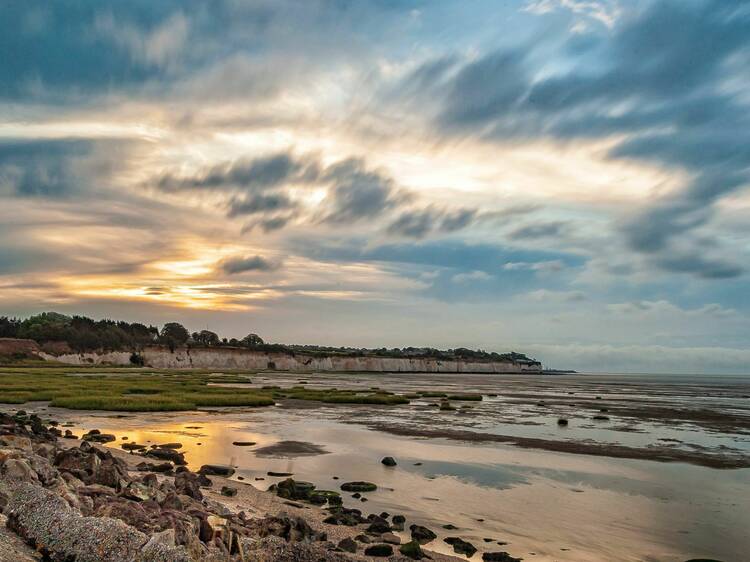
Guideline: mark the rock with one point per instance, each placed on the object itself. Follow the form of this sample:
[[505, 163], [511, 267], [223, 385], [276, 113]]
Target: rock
[[499, 557], [389, 461], [601, 418], [293, 490], [168, 455], [279, 474], [132, 447], [450, 527], [46, 521], [460, 546], [69, 435], [228, 491], [390, 538], [344, 516], [378, 525], [379, 550], [422, 534], [216, 470], [99, 437], [188, 484], [18, 470], [412, 550], [170, 446], [397, 522], [363, 539], [348, 545], [358, 487], [292, 529], [562, 421], [243, 443]]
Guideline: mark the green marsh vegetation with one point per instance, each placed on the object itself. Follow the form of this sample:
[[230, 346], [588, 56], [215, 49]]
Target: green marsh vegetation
[[139, 390]]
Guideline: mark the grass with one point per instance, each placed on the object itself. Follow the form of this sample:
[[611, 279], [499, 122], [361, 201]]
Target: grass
[[149, 390]]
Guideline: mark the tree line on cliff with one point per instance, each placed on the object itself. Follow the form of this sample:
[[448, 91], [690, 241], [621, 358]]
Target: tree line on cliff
[[84, 334]]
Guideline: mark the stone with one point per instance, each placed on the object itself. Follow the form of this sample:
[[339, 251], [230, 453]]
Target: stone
[[389, 461], [390, 538], [228, 491], [499, 557], [17, 470], [562, 421], [379, 550], [132, 447], [460, 546], [216, 470], [378, 525], [188, 484], [358, 487], [168, 455], [243, 443], [422, 534], [412, 550], [170, 446], [279, 474], [100, 437], [294, 490], [348, 545]]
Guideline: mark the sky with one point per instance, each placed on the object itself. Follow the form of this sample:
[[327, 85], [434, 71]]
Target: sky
[[564, 178]]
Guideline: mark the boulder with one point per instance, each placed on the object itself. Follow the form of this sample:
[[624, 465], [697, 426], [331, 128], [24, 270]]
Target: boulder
[[389, 461], [460, 546], [379, 550], [216, 470], [412, 550], [390, 538], [168, 455], [294, 490], [422, 534], [348, 545]]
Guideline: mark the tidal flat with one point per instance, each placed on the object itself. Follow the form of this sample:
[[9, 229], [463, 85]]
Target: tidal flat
[[660, 474]]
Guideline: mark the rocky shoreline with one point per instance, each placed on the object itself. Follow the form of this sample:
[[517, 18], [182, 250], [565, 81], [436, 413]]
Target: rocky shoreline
[[71, 499]]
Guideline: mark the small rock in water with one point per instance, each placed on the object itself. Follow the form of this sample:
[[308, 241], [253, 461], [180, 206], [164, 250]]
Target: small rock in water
[[215, 469], [562, 421], [243, 443], [170, 446], [460, 546], [358, 487], [389, 461], [601, 418], [279, 474]]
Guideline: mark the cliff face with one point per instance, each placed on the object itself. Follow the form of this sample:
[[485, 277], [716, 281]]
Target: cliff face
[[206, 358]]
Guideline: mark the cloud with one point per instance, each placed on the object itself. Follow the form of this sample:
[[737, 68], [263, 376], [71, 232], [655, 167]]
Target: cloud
[[259, 204], [540, 230], [255, 174], [418, 223], [357, 193], [248, 263], [41, 168], [548, 266], [546, 295], [666, 97]]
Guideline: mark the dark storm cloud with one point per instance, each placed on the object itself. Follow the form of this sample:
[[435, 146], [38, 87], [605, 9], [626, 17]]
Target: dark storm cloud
[[248, 263], [41, 168], [257, 174], [357, 193], [421, 222], [663, 80], [258, 204]]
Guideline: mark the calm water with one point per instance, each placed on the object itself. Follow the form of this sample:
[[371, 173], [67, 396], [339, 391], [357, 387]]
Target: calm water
[[546, 505]]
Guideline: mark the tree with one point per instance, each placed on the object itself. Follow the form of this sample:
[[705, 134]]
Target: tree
[[206, 337], [174, 334], [252, 340]]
